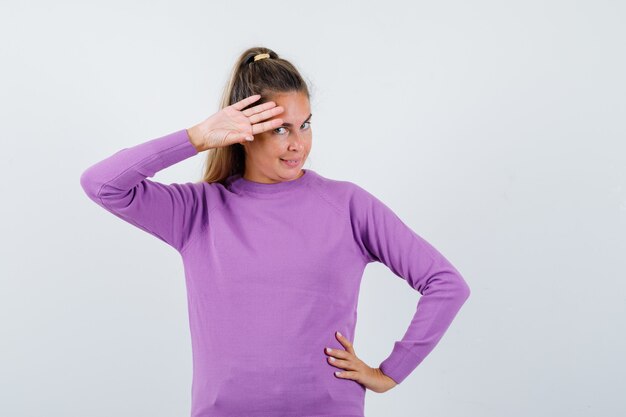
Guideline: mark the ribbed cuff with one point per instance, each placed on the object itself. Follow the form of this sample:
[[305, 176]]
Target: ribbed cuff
[[400, 363], [174, 147]]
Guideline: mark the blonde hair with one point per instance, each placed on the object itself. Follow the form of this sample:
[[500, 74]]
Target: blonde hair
[[249, 77]]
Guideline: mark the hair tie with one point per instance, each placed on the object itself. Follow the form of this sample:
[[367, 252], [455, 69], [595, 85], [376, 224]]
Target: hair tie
[[261, 56]]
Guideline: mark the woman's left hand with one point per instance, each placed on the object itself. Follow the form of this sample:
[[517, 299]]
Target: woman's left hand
[[351, 367]]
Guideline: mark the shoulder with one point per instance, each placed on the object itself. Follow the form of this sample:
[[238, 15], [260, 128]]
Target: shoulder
[[346, 194], [210, 195]]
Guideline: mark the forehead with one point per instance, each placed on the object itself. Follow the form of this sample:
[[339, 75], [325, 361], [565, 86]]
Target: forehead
[[296, 105]]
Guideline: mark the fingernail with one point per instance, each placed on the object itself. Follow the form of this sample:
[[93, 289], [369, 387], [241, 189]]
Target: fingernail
[[339, 333], [249, 138], [328, 350], [337, 373], [332, 359]]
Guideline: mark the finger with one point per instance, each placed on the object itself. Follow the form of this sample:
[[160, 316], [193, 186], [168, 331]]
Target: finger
[[265, 126], [259, 108], [239, 136], [337, 353], [346, 374], [246, 101], [266, 114], [345, 342], [339, 363]]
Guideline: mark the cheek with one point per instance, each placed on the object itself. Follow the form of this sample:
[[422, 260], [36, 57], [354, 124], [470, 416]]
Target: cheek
[[263, 150]]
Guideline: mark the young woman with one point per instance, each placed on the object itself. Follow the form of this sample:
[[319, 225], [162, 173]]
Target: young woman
[[274, 254]]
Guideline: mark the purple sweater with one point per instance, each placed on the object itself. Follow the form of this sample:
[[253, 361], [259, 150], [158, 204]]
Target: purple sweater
[[272, 271]]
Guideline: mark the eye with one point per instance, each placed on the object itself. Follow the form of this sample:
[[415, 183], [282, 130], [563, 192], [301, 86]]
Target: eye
[[281, 127]]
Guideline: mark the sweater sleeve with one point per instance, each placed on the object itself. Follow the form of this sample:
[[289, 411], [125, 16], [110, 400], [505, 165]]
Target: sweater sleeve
[[384, 237], [119, 184]]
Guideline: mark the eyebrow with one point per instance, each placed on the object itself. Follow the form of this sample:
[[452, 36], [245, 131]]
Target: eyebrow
[[307, 119]]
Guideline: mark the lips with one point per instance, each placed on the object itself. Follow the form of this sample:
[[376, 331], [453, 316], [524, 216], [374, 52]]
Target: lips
[[290, 163]]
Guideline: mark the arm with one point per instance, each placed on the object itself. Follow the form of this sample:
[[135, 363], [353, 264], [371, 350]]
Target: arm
[[384, 237], [119, 184]]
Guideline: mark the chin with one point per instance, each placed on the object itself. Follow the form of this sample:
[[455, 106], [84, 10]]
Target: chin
[[291, 168], [292, 174]]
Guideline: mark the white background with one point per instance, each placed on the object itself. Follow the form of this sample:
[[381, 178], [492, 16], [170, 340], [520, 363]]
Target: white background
[[495, 129]]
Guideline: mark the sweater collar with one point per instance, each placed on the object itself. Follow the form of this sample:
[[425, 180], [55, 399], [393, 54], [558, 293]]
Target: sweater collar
[[239, 184]]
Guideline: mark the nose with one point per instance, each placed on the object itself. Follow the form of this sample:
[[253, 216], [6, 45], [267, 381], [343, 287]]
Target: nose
[[296, 141]]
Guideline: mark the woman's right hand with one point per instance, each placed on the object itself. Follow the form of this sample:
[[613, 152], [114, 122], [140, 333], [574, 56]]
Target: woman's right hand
[[232, 125]]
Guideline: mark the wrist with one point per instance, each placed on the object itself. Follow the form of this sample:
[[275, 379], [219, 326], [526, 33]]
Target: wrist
[[195, 138]]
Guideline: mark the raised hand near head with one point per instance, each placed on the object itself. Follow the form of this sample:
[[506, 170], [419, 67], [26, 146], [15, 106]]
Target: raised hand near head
[[234, 125]]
